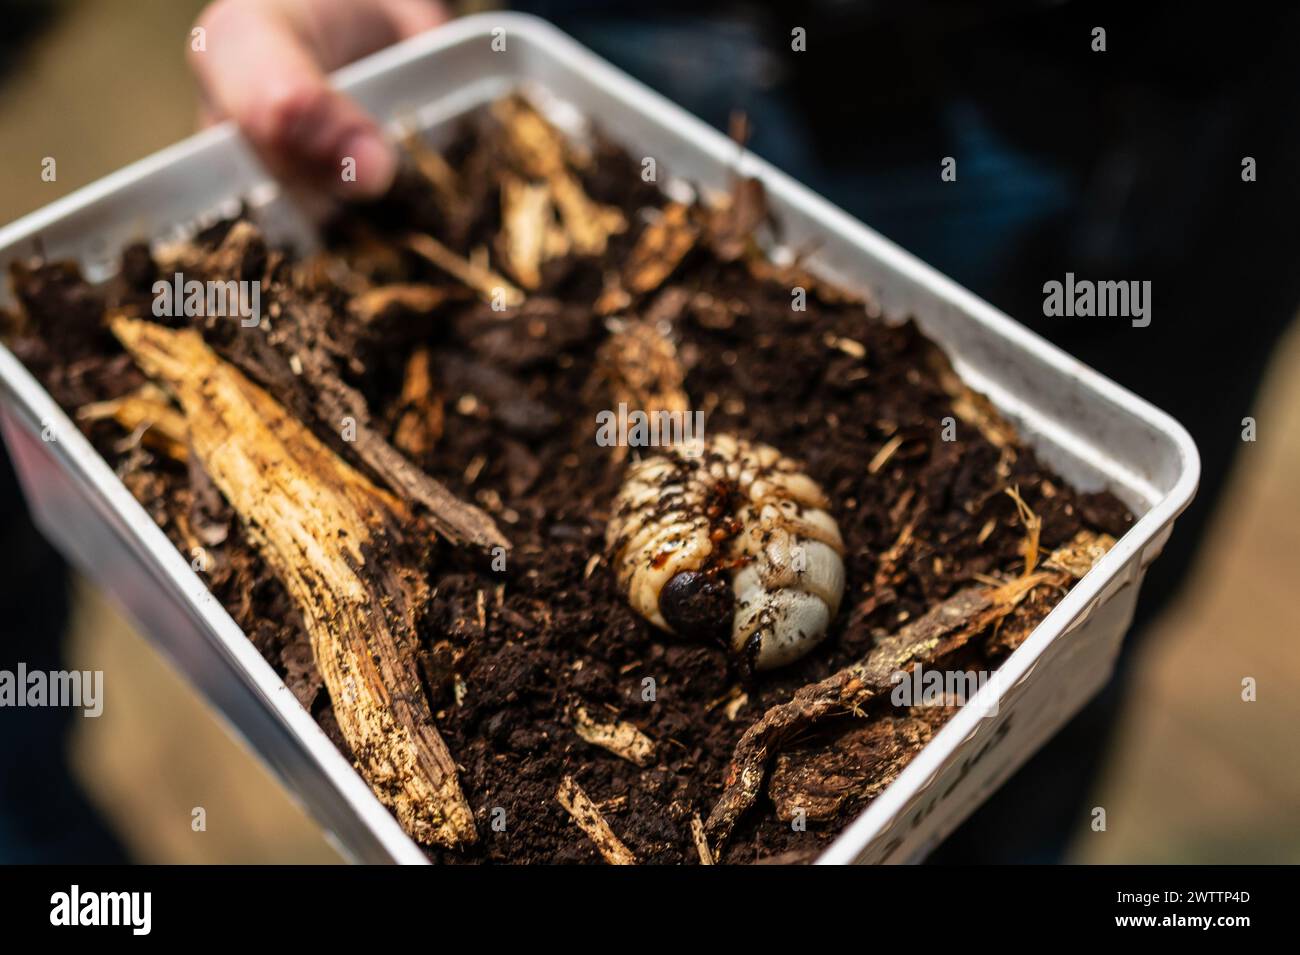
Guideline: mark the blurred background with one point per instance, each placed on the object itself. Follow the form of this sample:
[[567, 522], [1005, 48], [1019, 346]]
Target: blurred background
[[1123, 167]]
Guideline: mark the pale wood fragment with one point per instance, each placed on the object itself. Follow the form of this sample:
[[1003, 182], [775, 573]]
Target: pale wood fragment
[[342, 548]]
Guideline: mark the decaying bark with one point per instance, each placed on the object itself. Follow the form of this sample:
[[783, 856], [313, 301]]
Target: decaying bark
[[342, 549], [295, 355], [943, 630], [860, 763], [619, 737], [589, 820]]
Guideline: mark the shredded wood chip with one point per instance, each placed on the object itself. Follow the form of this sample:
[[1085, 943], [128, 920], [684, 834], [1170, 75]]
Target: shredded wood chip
[[884, 454], [411, 296], [541, 152], [530, 236], [620, 737], [660, 249], [589, 820], [642, 367]]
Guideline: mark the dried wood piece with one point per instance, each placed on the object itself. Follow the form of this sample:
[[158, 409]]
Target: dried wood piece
[[489, 285], [294, 363], [620, 737], [148, 412], [590, 821], [413, 297], [529, 236], [945, 628], [296, 358], [421, 418], [856, 765], [241, 255], [660, 249], [642, 368], [539, 151], [341, 548]]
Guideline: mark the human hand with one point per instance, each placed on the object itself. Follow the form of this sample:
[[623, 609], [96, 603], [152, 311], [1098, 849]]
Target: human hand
[[264, 64]]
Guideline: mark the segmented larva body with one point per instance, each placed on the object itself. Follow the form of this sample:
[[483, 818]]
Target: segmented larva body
[[729, 539]]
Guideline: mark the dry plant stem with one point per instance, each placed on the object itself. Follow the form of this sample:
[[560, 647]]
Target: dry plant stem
[[320, 524], [620, 738], [590, 821], [945, 628], [488, 284], [1033, 528]]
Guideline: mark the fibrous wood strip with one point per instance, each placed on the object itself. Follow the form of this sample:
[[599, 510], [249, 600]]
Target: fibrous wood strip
[[945, 628], [342, 548]]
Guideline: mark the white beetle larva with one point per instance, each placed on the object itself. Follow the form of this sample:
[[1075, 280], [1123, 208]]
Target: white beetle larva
[[729, 539]]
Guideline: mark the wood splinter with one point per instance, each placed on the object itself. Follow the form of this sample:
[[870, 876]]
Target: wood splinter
[[589, 820], [620, 737], [342, 549]]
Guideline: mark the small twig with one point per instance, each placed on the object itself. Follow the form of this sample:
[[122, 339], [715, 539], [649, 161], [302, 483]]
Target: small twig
[[589, 820], [701, 840], [487, 283]]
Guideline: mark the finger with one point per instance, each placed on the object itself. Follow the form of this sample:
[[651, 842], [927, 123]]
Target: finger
[[264, 67]]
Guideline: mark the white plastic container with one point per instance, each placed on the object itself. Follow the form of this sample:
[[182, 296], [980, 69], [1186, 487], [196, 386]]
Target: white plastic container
[[1091, 431]]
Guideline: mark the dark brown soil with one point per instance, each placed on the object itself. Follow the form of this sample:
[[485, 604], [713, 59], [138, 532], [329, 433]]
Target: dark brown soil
[[507, 655]]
